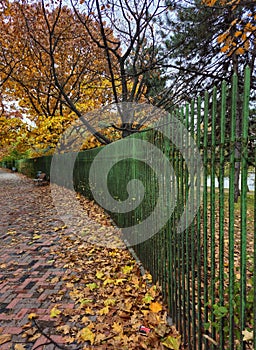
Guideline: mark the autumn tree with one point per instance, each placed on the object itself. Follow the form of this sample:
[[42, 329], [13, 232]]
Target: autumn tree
[[50, 66], [63, 59], [134, 56]]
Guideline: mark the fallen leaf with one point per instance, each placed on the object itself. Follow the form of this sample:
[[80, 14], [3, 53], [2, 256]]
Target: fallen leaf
[[55, 280], [171, 342], [99, 338], [85, 302], [19, 347], [127, 269], [99, 274], [32, 316], [4, 338], [104, 310], [162, 329], [155, 307], [247, 335], [120, 281], [148, 277], [108, 281], [117, 327], [54, 312], [36, 237], [34, 337], [89, 311], [87, 335], [109, 301], [92, 286], [65, 329], [147, 299]]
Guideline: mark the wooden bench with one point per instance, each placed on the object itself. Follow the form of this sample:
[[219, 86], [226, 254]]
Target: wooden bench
[[40, 179]]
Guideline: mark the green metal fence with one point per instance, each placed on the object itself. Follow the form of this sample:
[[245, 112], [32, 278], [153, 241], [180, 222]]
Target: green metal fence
[[206, 271]]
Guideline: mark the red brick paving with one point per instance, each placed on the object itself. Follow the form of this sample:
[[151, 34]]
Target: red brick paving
[[26, 264]]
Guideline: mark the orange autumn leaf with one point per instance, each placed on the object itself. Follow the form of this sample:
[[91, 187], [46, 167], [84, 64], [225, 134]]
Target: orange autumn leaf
[[155, 307]]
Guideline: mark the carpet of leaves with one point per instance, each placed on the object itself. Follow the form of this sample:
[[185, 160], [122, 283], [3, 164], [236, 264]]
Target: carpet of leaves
[[113, 299]]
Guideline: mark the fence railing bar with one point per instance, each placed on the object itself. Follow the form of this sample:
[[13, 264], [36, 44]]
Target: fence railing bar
[[221, 206], [244, 173], [212, 205], [198, 342], [205, 222], [231, 209]]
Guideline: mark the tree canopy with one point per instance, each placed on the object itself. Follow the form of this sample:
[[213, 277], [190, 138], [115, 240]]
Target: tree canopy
[[59, 60]]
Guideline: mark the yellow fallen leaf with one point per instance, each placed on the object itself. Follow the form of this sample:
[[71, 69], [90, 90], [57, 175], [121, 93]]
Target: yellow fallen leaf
[[34, 337], [92, 286], [64, 329], [19, 347], [4, 338], [155, 307], [55, 280], [69, 339], [36, 237], [89, 311], [85, 319], [120, 280], [87, 335], [104, 310], [148, 277], [108, 281], [99, 274], [127, 269], [85, 302], [172, 343], [54, 312], [117, 327], [109, 301], [69, 285], [32, 316]]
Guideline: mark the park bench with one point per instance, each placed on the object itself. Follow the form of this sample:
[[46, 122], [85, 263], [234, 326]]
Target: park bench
[[40, 179]]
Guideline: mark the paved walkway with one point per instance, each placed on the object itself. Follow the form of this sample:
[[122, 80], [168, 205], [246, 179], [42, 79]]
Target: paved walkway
[[96, 289], [28, 277]]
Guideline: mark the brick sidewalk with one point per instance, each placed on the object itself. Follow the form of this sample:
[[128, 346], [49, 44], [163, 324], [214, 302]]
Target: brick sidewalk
[[28, 277]]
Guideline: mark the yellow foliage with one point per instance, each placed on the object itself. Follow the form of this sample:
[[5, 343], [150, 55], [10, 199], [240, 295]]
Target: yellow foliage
[[240, 51], [249, 28], [222, 37], [246, 45], [209, 2], [237, 33]]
